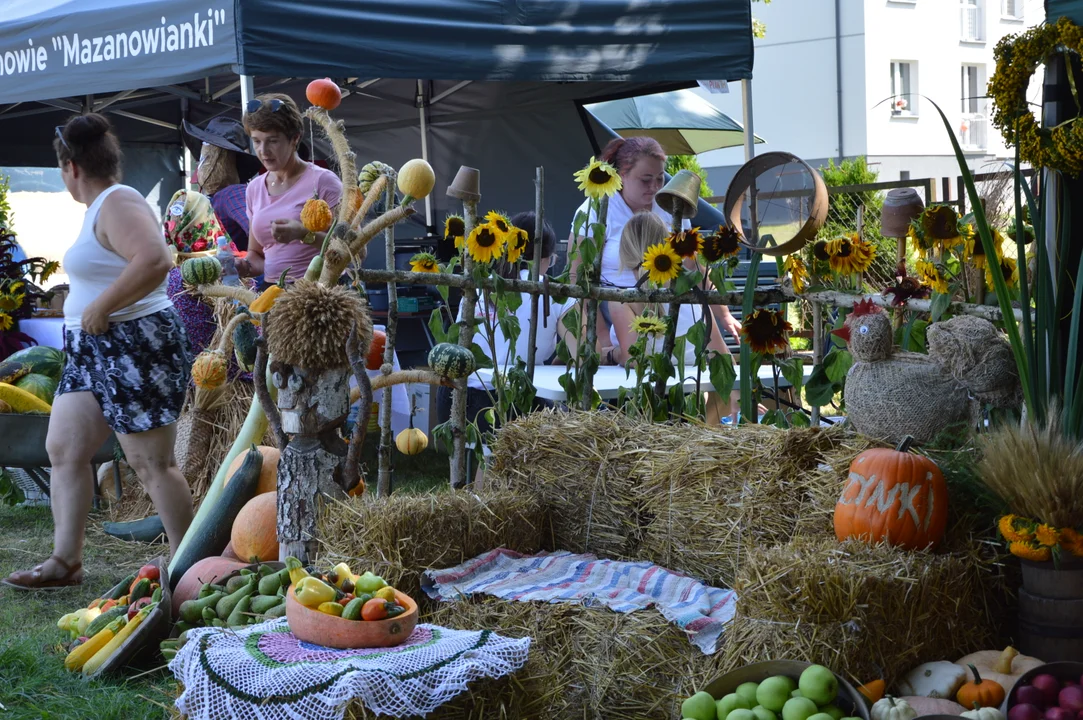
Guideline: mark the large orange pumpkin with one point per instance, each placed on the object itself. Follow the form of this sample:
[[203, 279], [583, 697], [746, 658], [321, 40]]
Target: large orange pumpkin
[[268, 476], [255, 531], [893, 496]]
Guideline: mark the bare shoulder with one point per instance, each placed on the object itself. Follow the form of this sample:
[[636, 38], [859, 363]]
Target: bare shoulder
[[126, 205]]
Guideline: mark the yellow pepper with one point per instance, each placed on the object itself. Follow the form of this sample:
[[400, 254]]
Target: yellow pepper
[[340, 574], [312, 591], [385, 593], [331, 608], [264, 302], [297, 570]]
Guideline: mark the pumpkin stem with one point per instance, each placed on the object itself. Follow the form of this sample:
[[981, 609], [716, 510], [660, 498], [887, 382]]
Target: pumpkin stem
[[904, 444], [977, 677], [1004, 663], [282, 279], [977, 705]]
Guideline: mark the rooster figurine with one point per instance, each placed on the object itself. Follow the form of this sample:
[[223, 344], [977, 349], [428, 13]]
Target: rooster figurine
[[891, 394]]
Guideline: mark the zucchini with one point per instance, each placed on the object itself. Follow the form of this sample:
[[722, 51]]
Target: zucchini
[[146, 530], [99, 623], [139, 591], [209, 533], [122, 588]]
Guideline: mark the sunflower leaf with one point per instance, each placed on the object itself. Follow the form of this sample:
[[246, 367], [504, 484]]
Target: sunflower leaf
[[793, 369], [775, 417], [819, 390], [799, 419], [837, 364], [579, 222], [697, 335], [442, 434], [453, 334], [481, 358], [722, 373], [939, 305], [436, 326]]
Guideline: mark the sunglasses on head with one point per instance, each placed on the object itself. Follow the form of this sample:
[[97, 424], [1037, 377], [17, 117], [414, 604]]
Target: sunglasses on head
[[60, 134], [253, 105]]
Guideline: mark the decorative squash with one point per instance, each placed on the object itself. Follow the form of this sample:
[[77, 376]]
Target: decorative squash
[[209, 370], [416, 180], [316, 215], [893, 496], [324, 93], [451, 361], [933, 706], [268, 475], [375, 357], [986, 713], [890, 708], [411, 441], [201, 270], [255, 531], [267, 299], [984, 693], [244, 343], [207, 570], [21, 401], [939, 679], [873, 690], [1005, 666]]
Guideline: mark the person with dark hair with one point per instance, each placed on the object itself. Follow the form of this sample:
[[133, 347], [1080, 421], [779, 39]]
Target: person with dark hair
[[127, 362], [641, 164], [277, 239], [225, 166]]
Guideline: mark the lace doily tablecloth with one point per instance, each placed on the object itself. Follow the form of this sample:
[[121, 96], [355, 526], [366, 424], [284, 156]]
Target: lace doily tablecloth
[[264, 672]]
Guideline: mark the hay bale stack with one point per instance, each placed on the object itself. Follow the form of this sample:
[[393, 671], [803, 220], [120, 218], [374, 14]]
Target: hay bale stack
[[403, 535], [863, 611]]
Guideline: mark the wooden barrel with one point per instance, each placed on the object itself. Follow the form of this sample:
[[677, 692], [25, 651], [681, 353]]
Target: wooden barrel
[[1051, 610]]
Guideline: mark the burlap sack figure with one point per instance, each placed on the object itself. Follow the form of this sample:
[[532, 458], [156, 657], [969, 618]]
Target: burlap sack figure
[[890, 394], [978, 357]]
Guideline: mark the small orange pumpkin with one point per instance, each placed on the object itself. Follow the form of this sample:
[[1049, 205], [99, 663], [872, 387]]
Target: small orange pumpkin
[[209, 370], [316, 215], [255, 529], [893, 496], [980, 693], [873, 690], [375, 358], [324, 93]]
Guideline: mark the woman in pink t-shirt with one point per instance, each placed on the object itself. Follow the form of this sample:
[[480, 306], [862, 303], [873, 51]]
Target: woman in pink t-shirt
[[274, 199]]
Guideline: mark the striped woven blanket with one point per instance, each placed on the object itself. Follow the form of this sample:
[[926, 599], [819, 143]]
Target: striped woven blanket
[[561, 577]]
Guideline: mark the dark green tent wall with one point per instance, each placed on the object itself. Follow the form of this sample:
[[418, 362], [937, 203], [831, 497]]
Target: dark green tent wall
[[1071, 9]]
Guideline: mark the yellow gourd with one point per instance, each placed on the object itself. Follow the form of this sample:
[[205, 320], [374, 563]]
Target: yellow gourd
[[209, 370], [316, 215], [117, 640], [78, 657], [21, 401], [267, 299], [416, 180], [411, 441]]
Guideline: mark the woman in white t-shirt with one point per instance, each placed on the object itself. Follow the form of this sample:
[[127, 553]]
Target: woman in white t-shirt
[[640, 232], [641, 163]]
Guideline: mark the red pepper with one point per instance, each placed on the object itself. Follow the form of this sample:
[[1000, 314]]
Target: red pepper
[[149, 571]]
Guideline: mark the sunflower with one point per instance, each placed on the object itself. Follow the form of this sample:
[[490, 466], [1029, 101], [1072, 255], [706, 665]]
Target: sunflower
[[848, 254], [795, 266], [485, 243], [1071, 541], [1047, 535], [424, 262], [686, 243], [974, 249], [499, 221], [649, 325], [941, 223], [931, 275], [9, 303], [5, 322], [724, 243], [863, 253], [1030, 552], [661, 263], [517, 240], [766, 331], [1009, 268], [455, 229], [819, 251], [1014, 529], [916, 237], [598, 179], [50, 267]]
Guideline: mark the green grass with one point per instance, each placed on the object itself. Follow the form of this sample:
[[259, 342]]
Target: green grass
[[33, 682]]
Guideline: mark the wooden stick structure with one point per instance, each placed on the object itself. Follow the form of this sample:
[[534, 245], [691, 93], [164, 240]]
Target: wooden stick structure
[[383, 484], [466, 338]]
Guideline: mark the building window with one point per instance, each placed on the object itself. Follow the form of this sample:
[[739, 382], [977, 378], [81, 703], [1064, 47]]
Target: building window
[[973, 122], [972, 28], [1011, 9], [904, 88]]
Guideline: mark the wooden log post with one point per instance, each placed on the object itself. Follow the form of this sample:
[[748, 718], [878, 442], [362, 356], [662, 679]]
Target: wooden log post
[[539, 229], [383, 483], [466, 339], [817, 350]]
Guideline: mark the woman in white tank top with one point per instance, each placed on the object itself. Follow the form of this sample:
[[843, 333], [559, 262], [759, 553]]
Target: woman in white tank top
[[127, 363]]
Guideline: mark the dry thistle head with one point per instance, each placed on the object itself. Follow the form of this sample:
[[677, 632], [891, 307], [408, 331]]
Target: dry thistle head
[[311, 323]]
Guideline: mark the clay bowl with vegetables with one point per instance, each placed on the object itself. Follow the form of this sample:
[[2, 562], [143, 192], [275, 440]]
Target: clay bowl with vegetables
[[319, 628], [1053, 691]]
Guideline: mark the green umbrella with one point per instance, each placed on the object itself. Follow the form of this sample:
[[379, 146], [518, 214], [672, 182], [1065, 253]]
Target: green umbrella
[[681, 121]]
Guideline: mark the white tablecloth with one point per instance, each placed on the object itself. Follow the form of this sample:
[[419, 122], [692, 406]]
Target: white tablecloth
[[47, 331]]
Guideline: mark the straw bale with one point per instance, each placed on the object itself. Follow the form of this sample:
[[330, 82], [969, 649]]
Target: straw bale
[[866, 611], [403, 535]]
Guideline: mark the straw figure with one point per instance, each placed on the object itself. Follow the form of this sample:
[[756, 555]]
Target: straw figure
[[307, 333]]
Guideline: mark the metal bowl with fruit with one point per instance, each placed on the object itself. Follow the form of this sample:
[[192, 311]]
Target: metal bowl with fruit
[[777, 690], [1053, 691]]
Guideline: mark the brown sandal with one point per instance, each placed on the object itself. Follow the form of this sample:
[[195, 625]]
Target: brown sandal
[[32, 580]]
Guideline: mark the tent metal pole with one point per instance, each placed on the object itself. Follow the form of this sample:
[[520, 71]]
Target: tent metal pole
[[746, 116], [248, 90], [424, 147]]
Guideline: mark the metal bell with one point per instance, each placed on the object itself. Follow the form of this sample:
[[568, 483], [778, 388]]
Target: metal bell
[[680, 194], [467, 185]]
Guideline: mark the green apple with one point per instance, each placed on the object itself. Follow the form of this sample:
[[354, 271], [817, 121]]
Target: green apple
[[748, 692], [834, 711], [774, 692], [821, 716], [741, 714], [763, 713], [798, 708], [699, 707], [728, 704], [819, 684], [796, 693]]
